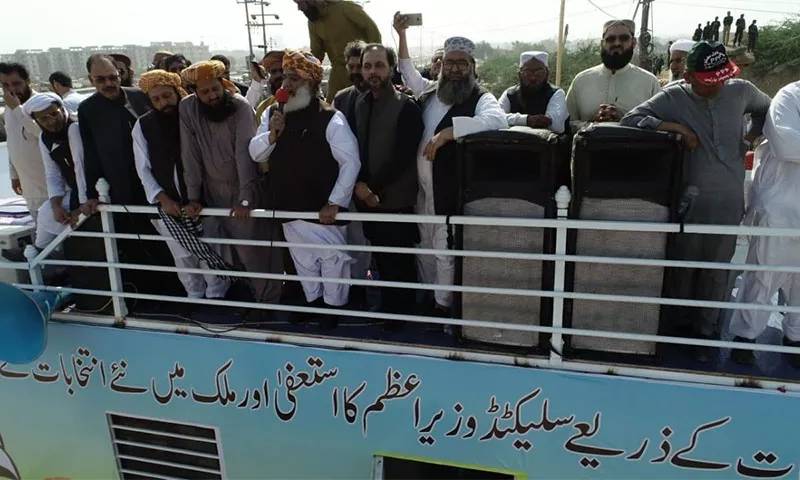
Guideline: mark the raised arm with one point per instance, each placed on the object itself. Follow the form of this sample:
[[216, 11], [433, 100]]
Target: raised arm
[[411, 76]]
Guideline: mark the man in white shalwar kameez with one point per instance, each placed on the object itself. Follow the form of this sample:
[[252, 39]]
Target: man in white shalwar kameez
[[62, 153], [452, 107], [775, 202], [313, 165]]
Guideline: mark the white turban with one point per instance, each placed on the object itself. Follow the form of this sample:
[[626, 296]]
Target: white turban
[[40, 102], [681, 46], [459, 44], [525, 57]]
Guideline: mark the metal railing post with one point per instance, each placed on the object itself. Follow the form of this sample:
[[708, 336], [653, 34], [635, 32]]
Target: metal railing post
[[112, 254], [563, 198], [34, 269]]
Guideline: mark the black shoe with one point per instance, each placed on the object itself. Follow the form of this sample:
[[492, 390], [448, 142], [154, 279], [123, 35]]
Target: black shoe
[[794, 358], [742, 356]]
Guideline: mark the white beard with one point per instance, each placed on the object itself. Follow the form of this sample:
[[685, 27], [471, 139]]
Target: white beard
[[300, 100]]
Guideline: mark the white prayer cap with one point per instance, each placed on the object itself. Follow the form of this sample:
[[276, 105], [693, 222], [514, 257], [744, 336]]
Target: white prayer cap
[[682, 45], [40, 102], [459, 44], [542, 57]]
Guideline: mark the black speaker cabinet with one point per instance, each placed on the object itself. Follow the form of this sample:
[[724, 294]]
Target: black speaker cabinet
[[620, 174], [507, 173]]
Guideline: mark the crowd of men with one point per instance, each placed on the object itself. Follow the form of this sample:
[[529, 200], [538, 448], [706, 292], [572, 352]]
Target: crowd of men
[[710, 32], [188, 139]]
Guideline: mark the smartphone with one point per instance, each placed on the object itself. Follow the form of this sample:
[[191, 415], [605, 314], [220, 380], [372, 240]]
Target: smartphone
[[413, 19]]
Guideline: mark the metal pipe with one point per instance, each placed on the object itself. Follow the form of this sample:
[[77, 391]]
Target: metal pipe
[[436, 352], [425, 319]]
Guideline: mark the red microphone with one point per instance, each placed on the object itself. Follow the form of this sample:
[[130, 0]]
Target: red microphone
[[281, 96]]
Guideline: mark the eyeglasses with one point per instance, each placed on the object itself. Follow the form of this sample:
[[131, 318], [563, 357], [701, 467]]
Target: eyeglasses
[[460, 64], [621, 38], [105, 78]]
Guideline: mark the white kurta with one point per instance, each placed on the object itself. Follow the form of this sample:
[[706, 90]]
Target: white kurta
[[47, 228], [774, 202], [488, 116], [25, 158], [556, 111], [320, 262], [196, 285], [626, 88]]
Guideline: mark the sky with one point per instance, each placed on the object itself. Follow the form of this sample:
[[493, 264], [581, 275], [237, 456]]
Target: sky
[[221, 23]]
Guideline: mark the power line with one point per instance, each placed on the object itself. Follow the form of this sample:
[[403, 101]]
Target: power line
[[598, 7], [694, 5]]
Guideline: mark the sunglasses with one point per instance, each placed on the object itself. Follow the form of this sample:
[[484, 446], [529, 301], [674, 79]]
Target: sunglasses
[[618, 38]]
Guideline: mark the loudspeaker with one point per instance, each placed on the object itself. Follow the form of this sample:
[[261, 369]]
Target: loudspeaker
[[506, 173], [620, 174], [23, 323]]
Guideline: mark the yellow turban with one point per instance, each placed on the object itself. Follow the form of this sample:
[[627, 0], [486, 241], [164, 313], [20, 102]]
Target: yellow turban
[[157, 78], [207, 70], [304, 64]]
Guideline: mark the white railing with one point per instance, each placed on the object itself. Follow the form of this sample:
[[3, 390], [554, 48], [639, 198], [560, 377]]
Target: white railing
[[561, 225]]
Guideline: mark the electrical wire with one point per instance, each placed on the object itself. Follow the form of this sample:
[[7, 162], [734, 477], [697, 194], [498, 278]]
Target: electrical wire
[[600, 9]]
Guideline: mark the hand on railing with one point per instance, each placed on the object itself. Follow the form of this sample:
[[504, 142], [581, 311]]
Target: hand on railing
[[193, 208], [89, 208]]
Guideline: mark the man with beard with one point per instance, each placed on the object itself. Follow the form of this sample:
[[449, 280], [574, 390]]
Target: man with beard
[[708, 111], [123, 64], [62, 153], [24, 157], [156, 148], [452, 107], [332, 24], [534, 102], [216, 125], [313, 163], [273, 67], [389, 129], [345, 100], [677, 59], [608, 91]]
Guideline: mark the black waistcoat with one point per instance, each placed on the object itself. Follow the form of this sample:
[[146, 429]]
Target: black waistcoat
[[58, 146], [445, 165], [534, 105], [164, 150], [302, 168]]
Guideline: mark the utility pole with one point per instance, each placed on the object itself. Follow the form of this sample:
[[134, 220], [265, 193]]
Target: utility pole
[[645, 37], [560, 47], [247, 19], [251, 23]]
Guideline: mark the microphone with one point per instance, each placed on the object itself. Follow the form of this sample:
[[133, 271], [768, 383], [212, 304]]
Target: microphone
[[687, 201], [281, 96]]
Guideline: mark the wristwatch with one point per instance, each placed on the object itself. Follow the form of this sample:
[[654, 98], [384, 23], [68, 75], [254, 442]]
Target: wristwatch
[[244, 203]]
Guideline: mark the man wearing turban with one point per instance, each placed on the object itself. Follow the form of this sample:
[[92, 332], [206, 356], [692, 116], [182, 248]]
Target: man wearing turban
[[62, 154], [332, 25], [216, 125], [452, 107], [533, 102], [313, 164], [156, 149]]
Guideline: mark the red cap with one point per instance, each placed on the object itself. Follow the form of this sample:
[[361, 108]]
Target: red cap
[[282, 95]]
